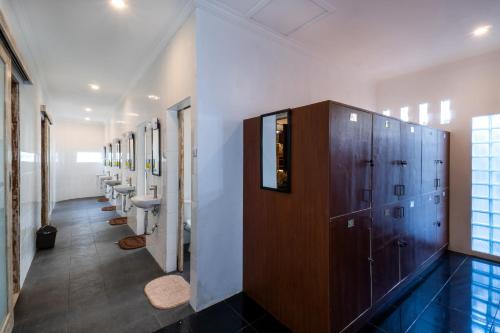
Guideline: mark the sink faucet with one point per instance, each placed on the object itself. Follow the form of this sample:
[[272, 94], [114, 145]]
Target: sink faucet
[[154, 188], [130, 181]]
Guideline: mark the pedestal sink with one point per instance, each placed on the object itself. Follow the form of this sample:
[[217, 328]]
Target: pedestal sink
[[124, 189], [147, 202], [112, 182]]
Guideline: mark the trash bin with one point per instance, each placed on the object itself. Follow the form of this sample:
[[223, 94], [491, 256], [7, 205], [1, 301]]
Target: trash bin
[[46, 237]]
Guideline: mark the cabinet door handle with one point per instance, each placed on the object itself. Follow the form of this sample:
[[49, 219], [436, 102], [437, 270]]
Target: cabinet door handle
[[403, 163], [399, 190], [438, 223], [437, 182], [402, 243], [437, 199], [399, 212], [370, 163]]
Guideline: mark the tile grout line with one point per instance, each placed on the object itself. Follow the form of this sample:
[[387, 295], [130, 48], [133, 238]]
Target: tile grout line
[[437, 293]]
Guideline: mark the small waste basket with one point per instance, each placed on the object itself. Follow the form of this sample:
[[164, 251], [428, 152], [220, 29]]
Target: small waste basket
[[46, 237]]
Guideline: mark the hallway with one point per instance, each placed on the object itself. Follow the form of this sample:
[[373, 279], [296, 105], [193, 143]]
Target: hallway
[[87, 283]]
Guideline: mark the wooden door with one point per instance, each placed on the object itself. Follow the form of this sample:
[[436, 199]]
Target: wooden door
[[410, 244], [350, 253], [427, 226], [386, 155], [442, 218], [350, 160], [411, 159], [443, 159], [429, 157], [386, 228]]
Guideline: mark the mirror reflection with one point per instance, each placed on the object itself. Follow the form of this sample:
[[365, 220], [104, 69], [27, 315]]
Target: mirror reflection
[[156, 162], [131, 152], [275, 151], [110, 155], [118, 153], [105, 156]]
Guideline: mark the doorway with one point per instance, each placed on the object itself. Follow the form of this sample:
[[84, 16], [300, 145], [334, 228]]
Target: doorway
[[185, 155], [45, 159]]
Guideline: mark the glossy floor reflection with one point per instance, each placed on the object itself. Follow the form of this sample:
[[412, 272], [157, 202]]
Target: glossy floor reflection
[[458, 294]]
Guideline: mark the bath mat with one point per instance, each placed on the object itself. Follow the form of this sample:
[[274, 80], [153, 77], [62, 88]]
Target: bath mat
[[103, 199], [167, 292], [132, 242], [118, 221], [108, 208]]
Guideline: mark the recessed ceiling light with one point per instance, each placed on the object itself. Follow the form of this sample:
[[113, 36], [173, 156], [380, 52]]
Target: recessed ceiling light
[[94, 86], [482, 30], [153, 97], [87, 118], [133, 114], [118, 4], [88, 110], [120, 121]]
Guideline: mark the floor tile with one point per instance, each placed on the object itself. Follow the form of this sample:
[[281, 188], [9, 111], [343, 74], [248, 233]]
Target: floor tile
[[247, 308]]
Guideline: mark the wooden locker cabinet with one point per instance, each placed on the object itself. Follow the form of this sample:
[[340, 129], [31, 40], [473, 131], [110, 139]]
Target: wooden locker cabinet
[[325, 256], [350, 252], [350, 159]]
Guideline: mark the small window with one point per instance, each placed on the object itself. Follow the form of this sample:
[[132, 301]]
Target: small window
[[423, 113], [386, 112], [405, 113], [445, 112]]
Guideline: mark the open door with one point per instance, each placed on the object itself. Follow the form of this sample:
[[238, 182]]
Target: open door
[[45, 159]]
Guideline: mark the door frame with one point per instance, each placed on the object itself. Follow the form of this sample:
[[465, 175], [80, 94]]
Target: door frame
[[8, 323], [46, 122]]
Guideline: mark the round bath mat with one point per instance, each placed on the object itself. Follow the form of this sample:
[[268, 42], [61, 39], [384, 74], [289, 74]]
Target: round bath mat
[[167, 292], [108, 208], [132, 242], [103, 199]]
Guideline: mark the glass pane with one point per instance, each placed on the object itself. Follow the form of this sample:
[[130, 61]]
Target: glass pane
[[495, 149], [480, 191], [480, 218], [481, 232], [480, 163], [480, 177], [480, 245], [495, 135], [479, 136], [480, 122], [482, 149], [495, 121], [480, 204]]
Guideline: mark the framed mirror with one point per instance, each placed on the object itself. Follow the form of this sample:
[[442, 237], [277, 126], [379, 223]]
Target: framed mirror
[[105, 156], [110, 155], [156, 148], [118, 153], [131, 152], [275, 151]]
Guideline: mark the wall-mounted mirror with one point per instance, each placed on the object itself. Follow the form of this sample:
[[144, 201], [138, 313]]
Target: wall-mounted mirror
[[156, 148], [131, 152], [110, 154], [105, 156], [118, 154], [275, 151]]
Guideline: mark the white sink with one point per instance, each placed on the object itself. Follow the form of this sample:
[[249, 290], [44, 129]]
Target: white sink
[[145, 201], [125, 189], [104, 177], [112, 182]]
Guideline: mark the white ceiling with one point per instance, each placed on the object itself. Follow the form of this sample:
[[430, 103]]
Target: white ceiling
[[77, 42]]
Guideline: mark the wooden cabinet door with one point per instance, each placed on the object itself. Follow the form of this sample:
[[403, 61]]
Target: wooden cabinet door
[[411, 160], [386, 229], [386, 155], [350, 156], [442, 219], [443, 159], [427, 226], [350, 253], [429, 157], [410, 243]]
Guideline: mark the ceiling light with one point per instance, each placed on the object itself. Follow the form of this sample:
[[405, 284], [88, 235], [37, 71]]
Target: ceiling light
[[120, 121], [480, 31], [133, 114], [94, 86], [118, 4], [88, 110], [87, 118], [153, 97]]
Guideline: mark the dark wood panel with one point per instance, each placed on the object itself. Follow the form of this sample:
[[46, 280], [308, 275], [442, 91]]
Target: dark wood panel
[[427, 226], [350, 156], [385, 251], [351, 283], [411, 159], [410, 245], [429, 156], [386, 154], [443, 158], [286, 235], [442, 226]]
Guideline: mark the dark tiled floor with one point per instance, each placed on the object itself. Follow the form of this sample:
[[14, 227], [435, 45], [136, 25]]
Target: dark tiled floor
[[88, 284], [457, 294]]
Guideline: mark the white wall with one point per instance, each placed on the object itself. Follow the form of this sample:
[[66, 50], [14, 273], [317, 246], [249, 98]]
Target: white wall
[[243, 72], [472, 86], [76, 177]]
